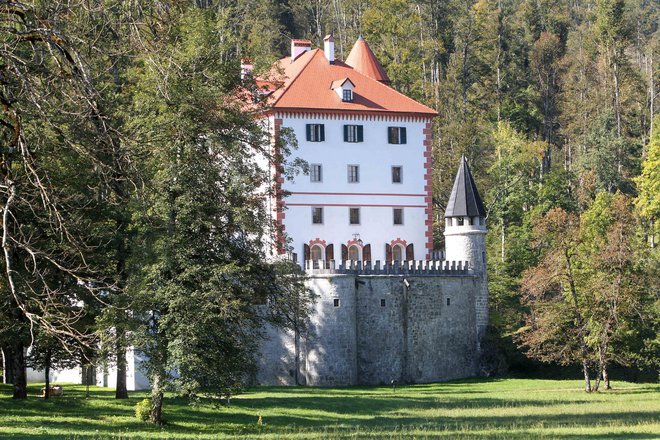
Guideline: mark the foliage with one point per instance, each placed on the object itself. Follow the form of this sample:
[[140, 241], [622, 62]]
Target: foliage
[[143, 409]]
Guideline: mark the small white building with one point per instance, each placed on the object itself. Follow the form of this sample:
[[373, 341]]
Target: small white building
[[367, 195]]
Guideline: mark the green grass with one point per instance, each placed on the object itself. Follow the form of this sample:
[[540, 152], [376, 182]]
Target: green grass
[[469, 409]]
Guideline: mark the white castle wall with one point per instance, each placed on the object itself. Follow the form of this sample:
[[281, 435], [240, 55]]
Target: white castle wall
[[375, 194]]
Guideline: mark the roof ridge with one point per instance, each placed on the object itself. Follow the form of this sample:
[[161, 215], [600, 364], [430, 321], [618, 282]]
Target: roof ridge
[[286, 88]]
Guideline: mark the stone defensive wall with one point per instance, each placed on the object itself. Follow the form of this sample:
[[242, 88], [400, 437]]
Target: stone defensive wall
[[374, 324]]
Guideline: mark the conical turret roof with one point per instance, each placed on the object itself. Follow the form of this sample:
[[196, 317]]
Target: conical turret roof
[[464, 200], [363, 60]]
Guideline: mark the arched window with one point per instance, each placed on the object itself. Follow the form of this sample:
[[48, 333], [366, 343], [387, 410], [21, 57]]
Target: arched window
[[397, 253], [354, 253], [316, 253]]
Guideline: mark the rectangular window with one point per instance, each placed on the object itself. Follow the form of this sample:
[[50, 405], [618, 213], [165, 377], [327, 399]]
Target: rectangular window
[[396, 135], [382, 302], [335, 302], [353, 133], [396, 174], [315, 172], [317, 215], [448, 301], [347, 95], [315, 132], [354, 216], [398, 216], [353, 173]]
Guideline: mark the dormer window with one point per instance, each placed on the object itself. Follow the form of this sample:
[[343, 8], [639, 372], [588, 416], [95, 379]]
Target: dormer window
[[347, 95], [344, 89]]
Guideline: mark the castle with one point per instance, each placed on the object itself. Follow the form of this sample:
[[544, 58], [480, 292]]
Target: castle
[[387, 308], [361, 220]]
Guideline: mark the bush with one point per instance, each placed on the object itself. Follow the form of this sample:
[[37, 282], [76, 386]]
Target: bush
[[143, 409]]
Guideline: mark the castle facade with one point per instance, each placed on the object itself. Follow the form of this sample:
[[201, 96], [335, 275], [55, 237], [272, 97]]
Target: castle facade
[[360, 224]]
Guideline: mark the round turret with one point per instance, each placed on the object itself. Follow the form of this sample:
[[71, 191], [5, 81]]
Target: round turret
[[465, 222]]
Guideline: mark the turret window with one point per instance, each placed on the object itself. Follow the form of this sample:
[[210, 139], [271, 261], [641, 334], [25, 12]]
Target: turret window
[[317, 215], [397, 172], [397, 214], [397, 252], [316, 253], [459, 221]]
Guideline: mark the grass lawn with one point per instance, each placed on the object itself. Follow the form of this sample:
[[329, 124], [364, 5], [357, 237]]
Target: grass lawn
[[468, 409]]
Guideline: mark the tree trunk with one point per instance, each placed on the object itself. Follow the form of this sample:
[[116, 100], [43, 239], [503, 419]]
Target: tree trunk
[[6, 366], [587, 380], [296, 353], [121, 392], [47, 374], [157, 394], [19, 376], [606, 378]]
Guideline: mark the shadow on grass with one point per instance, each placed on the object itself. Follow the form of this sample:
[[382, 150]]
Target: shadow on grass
[[339, 410]]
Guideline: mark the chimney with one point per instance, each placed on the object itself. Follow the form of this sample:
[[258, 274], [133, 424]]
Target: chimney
[[246, 67], [299, 47], [329, 48]]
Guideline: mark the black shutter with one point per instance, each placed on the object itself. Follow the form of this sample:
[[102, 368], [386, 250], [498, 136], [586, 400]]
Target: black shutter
[[388, 252], [329, 252], [366, 252], [345, 133], [322, 133], [309, 132], [403, 135], [360, 133], [410, 252], [344, 252], [390, 135], [307, 252]]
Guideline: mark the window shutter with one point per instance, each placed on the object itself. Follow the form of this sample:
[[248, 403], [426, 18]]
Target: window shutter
[[403, 134], [344, 252], [307, 252], [410, 252], [388, 252], [366, 252], [360, 135], [329, 252], [390, 135], [309, 132], [322, 132], [345, 133]]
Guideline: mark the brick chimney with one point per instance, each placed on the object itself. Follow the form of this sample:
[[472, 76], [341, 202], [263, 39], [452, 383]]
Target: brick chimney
[[299, 47], [329, 48]]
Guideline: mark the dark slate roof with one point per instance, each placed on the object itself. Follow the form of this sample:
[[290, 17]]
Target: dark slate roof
[[464, 200]]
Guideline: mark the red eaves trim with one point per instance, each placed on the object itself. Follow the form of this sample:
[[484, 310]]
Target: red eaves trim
[[353, 194], [356, 205]]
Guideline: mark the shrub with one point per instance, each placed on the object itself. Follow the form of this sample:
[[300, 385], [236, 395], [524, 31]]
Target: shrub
[[143, 409]]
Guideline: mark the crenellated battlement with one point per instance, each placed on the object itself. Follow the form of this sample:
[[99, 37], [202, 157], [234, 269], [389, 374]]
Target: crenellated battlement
[[409, 267]]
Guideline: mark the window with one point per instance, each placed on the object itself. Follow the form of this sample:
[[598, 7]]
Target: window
[[396, 135], [353, 133], [317, 215], [335, 302], [316, 253], [354, 216], [354, 253], [448, 301], [382, 302], [459, 221], [396, 174], [315, 173], [353, 173], [315, 132], [398, 216], [397, 252], [347, 95]]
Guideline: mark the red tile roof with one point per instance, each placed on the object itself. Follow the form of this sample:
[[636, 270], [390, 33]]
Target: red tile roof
[[305, 84], [362, 59]]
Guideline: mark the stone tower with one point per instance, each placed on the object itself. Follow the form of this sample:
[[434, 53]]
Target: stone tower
[[465, 236]]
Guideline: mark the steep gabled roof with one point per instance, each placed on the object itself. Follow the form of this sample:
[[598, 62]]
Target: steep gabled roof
[[464, 200], [363, 60], [305, 84]]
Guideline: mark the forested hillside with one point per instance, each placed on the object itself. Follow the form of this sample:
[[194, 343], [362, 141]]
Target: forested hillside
[[115, 115]]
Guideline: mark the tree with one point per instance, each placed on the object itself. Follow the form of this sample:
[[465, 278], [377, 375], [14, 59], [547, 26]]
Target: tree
[[648, 184]]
